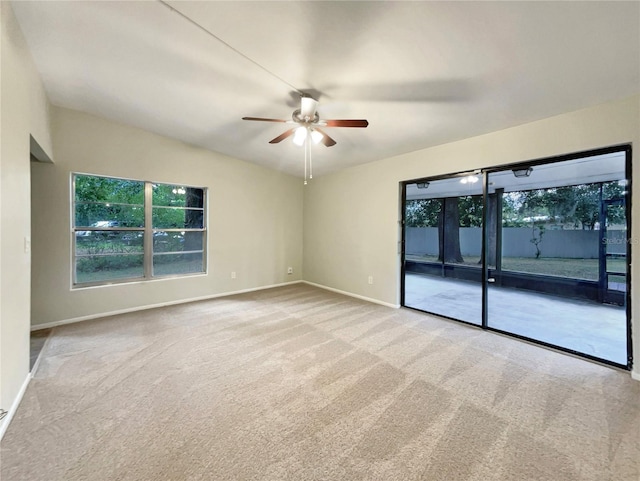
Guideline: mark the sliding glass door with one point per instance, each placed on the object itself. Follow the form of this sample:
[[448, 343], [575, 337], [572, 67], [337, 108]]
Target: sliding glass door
[[560, 270], [539, 251], [443, 247]]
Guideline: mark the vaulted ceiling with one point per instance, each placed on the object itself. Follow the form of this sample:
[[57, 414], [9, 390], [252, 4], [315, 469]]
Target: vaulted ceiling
[[422, 73]]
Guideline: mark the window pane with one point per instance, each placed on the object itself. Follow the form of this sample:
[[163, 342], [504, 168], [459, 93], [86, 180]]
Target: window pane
[[164, 241], [90, 188], [443, 246], [102, 242], [177, 218], [177, 196], [560, 274], [108, 215], [171, 264], [108, 267]]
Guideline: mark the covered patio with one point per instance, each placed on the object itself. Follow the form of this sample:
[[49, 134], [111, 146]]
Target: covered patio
[[598, 330]]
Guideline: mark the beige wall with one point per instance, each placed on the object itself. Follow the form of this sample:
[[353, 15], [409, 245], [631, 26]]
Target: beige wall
[[24, 112], [254, 221], [351, 218]]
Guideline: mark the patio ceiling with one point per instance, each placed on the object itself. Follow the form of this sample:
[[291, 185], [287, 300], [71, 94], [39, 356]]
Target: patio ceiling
[[599, 168]]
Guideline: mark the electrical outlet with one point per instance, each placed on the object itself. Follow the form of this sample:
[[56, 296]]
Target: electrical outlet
[[289, 270], [370, 279], [233, 274]]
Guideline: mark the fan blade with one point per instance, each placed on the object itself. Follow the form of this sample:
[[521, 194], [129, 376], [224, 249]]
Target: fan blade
[[283, 136], [308, 107], [346, 123], [263, 120], [326, 140]]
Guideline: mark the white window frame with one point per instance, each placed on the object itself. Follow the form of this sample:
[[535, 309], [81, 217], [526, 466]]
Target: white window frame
[[147, 230]]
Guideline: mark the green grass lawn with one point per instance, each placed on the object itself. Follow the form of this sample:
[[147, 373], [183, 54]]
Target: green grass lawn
[[563, 267], [163, 269], [109, 274]]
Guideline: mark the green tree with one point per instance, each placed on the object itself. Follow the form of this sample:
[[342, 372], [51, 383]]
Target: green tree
[[102, 199], [536, 239], [470, 209], [578, 205], [422, 212]]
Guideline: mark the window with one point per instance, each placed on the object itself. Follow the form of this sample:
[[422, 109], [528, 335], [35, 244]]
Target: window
[[126, 230]]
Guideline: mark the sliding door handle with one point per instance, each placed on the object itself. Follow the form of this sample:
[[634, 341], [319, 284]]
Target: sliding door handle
[[491, 279]]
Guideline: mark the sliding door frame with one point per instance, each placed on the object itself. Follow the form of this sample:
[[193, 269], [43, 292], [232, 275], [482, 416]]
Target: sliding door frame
[[484, 172], [403, 212]]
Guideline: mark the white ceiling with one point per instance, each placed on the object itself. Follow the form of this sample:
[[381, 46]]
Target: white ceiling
[[422, 73]]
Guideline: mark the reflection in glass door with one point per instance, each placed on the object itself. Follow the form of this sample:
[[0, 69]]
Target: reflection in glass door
[[558, 258], [443, 247]]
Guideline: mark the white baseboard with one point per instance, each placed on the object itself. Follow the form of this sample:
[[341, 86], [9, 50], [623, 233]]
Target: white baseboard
[[14, 407], [36, 364], [351, 294], [635, 375], [48, 325]]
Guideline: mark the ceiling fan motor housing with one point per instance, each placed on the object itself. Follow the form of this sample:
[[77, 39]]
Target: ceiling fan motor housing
[[300, 119]]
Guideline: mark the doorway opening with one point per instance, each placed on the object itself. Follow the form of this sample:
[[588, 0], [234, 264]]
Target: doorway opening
[[37, 338]]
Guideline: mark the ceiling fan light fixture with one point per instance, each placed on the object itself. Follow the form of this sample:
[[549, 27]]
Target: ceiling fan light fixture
[[300, 136], [316, 136]]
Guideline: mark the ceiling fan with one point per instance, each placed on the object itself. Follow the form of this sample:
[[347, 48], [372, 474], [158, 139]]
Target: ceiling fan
[[307, 124]]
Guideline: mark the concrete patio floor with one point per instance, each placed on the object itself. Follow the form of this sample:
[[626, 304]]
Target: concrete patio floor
[[598, 330]]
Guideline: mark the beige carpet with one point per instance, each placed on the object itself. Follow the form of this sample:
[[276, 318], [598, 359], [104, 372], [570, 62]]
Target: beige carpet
[[297, 383]]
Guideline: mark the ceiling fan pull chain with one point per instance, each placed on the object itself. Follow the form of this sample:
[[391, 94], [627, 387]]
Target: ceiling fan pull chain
[[310, 159], [305, 161]]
